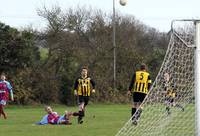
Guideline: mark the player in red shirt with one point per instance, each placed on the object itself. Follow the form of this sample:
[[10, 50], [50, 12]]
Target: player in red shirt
[[5, 92], [54, 118]]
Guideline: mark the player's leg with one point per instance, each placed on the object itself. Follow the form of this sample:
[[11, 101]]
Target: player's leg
[[75, 114], [179, 106], [134, 105], [136, 101], [168, 102], [139, 109], [134, 113], [134, 108], [139, 112], [81, 109], [2, 104], [64, 120], [81, 113], [168, 109], [0, 110], [86, 101]]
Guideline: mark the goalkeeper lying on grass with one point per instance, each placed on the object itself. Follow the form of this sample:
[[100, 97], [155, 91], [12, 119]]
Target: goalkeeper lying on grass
[[53, 117]]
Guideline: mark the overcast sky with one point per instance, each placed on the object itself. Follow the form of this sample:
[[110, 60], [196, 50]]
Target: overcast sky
[[155, 13]]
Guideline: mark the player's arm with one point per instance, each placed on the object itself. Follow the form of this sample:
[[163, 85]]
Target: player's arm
[[76, 87], [131, 84], [10, 91], [93, 85], [149, 82], [11, 95]]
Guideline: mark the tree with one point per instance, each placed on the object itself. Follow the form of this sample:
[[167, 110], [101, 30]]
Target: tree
[[17, 50], [80, 37]]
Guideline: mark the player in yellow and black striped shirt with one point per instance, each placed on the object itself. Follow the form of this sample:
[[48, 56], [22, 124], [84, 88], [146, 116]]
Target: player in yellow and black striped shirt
[[170, 95], [82, 89], [139, 86]]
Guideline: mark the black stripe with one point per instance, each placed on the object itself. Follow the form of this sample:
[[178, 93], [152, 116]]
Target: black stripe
[[81, 88], [139, 87], [136, 86], [143, 87], [85, 91]]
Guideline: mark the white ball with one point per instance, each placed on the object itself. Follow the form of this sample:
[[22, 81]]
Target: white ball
[[123, 2]]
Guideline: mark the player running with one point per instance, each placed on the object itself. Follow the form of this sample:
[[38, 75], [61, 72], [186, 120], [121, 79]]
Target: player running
[[82, 89]]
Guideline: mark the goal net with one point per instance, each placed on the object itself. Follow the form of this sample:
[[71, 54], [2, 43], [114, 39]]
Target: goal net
[[169, 108]]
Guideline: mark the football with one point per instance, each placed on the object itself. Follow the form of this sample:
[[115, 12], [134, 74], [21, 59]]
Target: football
[[123, 2]]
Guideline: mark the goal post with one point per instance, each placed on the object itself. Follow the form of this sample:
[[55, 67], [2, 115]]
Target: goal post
[[197, 77], [181, 64]]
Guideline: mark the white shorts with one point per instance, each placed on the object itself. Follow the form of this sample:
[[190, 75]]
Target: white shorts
[[2, 102]]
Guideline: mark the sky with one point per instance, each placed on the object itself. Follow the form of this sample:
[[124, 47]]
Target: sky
[[154, 13]]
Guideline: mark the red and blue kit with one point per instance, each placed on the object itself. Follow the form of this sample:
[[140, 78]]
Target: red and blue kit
[[53, 118], [4, 92]]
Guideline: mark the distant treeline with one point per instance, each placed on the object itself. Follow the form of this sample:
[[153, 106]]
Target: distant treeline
[[42, 65]]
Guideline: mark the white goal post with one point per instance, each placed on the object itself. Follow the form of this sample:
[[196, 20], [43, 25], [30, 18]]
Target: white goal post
[[182, 65], [197, 77]]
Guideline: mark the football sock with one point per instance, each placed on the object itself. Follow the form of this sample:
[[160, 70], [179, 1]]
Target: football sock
[[1, 110], [76, 114], [179, 106], [139, 112], [168, 109], [133, 112]]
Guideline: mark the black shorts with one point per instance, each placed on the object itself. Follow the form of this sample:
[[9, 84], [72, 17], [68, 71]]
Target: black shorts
[[169, 99], [138, 97], [84, 99]]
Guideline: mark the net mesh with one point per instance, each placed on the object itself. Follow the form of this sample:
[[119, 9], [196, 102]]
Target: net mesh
[[161, 115]]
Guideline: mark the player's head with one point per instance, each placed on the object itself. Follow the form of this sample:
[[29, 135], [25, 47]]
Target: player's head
[[166, 77], [143, 66], [3, 76], [84, 72], [48, 109]]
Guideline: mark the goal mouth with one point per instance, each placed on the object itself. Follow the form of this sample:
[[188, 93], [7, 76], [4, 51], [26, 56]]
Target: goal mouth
[[169, 108]]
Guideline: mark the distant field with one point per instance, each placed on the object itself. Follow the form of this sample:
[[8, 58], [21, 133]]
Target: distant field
[[100, 120]]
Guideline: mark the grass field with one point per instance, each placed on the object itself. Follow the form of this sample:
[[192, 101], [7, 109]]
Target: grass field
[[100, 120], [156, 122]]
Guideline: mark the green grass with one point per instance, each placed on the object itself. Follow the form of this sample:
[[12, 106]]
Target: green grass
[[100, 120], [44, 53], [155, 122]]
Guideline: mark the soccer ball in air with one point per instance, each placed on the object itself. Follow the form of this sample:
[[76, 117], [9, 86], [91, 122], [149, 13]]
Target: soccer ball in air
[[123, 2]]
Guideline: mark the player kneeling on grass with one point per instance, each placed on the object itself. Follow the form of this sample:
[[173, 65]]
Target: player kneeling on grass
[[53, 117]]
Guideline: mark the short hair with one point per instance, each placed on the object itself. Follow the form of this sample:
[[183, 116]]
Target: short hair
[[46, 107], [143, 66], [85, 67]]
